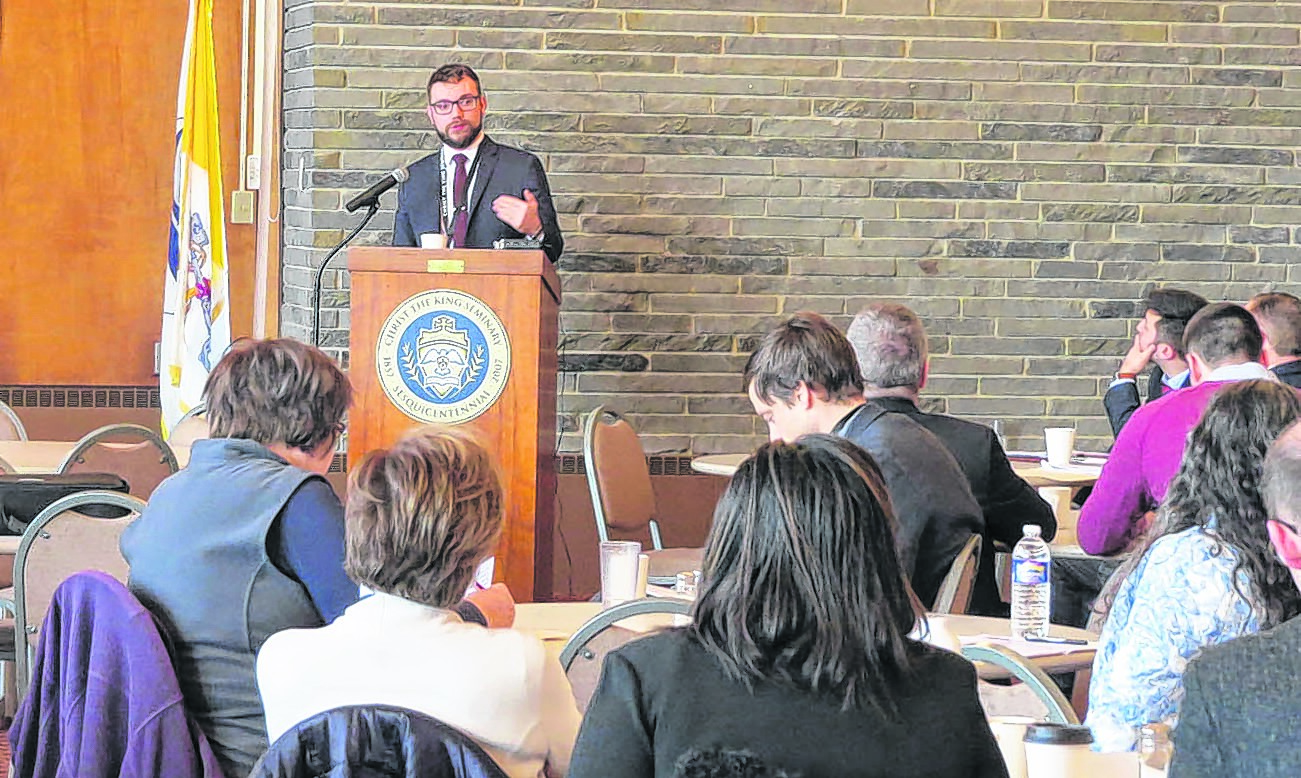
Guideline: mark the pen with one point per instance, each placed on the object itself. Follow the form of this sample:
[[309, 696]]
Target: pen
[[1055, 639]]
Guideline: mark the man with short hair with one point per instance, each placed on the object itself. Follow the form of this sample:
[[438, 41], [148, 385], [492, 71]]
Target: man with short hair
[[1279, 317], [803, 378], [473, 191], [890, 343], [1222, 344], [1242, 699], [1158, 341]]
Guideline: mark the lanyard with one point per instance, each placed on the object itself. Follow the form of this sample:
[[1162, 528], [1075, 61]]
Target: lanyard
[[446, 203]]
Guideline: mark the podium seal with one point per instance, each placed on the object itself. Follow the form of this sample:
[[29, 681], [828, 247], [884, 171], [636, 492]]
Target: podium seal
[[443, 356]]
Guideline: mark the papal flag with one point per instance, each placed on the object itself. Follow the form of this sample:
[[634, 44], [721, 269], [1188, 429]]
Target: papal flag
[[196, 311]]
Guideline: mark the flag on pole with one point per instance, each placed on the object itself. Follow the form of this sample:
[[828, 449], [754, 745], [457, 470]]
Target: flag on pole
[[196, 313]]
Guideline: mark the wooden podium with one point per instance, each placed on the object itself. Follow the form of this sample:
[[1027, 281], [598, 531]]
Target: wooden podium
[[465, 337]]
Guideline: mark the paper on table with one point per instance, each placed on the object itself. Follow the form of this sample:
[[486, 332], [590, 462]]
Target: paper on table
[[1028, 648]]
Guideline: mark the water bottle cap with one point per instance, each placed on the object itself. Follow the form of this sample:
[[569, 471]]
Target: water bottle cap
[[1031, 530]]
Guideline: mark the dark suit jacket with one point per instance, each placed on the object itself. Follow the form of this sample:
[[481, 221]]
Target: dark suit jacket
[[1121, 400], [932, 502], [1289, 373], [1242, 708], [1005, 499], [501, 170]]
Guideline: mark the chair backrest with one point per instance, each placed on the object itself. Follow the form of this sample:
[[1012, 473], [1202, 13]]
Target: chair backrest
[[585, 651], [11, 427], [955, 590], [136, 453], [61, 541], [1052, 704], [617, 474], [388, 741], [191, 427]]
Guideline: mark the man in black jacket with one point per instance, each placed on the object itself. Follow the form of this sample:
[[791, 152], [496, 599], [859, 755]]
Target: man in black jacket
[[1159, 342], [1279, 317], [891, 346], [1242, 706], [804, 379]]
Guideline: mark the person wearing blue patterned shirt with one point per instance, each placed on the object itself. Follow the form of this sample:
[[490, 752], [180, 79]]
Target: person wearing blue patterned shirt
[[1207, 573]]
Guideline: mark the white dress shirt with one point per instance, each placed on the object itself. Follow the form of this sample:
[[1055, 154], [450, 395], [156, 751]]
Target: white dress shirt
[[498, 686]]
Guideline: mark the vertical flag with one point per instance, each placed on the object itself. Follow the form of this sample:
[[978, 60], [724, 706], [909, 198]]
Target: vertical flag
[[196, 313]]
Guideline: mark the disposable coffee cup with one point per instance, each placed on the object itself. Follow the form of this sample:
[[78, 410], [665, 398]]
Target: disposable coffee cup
[[1058, 751], [433, 240], [620, 563], [1060, 444], [1009, 731]]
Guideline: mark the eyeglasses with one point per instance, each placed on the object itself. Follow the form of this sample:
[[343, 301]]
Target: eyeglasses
[[465, 103]]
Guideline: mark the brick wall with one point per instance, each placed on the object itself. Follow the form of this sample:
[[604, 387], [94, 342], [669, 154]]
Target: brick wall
[[1018, 171]]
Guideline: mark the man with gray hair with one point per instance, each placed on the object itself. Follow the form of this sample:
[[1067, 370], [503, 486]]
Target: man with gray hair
[[891, 346], [1240, 713]]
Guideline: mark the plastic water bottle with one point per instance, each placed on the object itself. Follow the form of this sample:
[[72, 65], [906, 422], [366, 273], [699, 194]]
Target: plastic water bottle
[[1032, 565]]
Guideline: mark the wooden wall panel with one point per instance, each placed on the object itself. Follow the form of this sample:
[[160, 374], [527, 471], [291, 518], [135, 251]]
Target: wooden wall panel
[[88, 99]]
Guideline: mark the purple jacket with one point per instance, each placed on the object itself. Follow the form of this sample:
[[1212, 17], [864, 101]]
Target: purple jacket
[[1143, 462], [104, 700]]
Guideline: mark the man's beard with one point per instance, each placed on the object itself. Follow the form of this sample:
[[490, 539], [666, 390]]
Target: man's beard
[[449, 141]]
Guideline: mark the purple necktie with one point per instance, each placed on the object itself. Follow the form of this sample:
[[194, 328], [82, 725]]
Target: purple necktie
[[461, 219]]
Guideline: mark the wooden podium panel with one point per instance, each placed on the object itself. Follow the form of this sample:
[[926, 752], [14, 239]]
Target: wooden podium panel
[[522, 289]]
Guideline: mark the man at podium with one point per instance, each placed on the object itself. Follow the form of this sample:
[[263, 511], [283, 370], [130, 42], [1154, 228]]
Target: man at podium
[[472, 191]]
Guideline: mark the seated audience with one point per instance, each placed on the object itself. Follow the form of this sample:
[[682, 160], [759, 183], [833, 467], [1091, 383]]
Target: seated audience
[[798, 652], [421, 516], [1206, 573], [1222, 342], [1279, 317], [804, 378], [1242, 703], [247, 540], [1159, 342], [890, 343]]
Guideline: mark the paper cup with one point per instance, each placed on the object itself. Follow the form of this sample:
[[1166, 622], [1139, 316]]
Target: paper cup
[[433, 240], [1060, 444]]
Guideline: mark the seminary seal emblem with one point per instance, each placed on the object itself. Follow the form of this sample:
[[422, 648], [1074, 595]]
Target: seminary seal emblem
[[443, 356]]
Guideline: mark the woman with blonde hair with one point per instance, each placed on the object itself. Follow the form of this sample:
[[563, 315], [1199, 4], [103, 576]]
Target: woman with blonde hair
[[420, 518]]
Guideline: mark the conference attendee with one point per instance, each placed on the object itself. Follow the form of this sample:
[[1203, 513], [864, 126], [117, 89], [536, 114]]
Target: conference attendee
[[1158, 343], [804, 378], [890, 343], [1242, 703], [421, 516], [1205, 574], [798, 652], [247, 540], [473, 191], [1222, 343], [1279, 317]]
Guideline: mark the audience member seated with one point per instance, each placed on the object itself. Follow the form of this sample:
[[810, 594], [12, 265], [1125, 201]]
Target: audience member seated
[[891, 346], [1159, 342], [421, 516], [247, 540], [1223, 344], [1240, 711], [1279, 317], [799, 651], [1206, 574], [804, 378]]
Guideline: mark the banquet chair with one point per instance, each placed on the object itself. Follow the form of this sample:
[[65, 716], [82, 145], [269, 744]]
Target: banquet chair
[[955, 590], [11, 427], [65, 538], [585, 651], [375, 740], [191, 427], [134, 452], [1045, 699], [623, 500]]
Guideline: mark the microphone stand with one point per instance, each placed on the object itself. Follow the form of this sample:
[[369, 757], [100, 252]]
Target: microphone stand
[[320, 272]]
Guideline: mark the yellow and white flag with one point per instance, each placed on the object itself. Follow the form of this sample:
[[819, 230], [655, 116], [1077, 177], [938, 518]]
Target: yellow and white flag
[[196, 311]]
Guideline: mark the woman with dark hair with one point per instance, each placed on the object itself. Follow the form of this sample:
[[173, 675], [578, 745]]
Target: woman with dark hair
[[1206, 573], [799, 651]]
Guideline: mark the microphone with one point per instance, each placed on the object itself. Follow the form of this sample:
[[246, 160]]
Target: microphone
[[370, 196]]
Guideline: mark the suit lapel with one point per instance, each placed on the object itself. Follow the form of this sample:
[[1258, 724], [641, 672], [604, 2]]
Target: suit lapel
[[487, 162]]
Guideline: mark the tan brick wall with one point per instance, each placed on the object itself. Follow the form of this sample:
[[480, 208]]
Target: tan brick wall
[[1018, 171]]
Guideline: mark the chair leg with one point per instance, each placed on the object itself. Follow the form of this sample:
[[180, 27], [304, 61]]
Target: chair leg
[[1080, 692]]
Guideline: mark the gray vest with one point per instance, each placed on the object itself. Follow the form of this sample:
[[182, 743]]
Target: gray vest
[[198, 557]]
